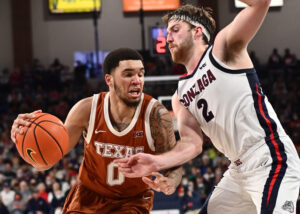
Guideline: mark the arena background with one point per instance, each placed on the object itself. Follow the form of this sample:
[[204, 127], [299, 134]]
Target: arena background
[[54, 36], [31, 39]]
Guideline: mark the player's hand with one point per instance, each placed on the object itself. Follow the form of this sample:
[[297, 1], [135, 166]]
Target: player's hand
[[138, 165], [20, 122], [161, 183]]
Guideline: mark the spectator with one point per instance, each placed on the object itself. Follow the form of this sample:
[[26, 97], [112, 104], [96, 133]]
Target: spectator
[[37, 204], [275, 60], [19, 204], [41, 187], [24, 191], [3, 208], [191, 200], [56, 198], [7, 195]]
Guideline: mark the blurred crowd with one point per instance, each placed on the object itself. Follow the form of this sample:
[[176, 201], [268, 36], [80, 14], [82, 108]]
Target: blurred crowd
[[55, 89]]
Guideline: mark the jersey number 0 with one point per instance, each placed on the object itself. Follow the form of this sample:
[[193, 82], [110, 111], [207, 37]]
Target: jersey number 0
[[113, 180]]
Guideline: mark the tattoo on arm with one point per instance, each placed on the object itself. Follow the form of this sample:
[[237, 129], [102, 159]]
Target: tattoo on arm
[[162, 129], [162, 132]]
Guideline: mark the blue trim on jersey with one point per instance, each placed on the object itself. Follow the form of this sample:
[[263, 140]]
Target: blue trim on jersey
[[275, 145], [203, 209], [220, 67], [185, 76]]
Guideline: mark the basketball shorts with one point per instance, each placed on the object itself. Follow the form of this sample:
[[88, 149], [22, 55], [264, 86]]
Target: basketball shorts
[[83, 200], [262, 184]]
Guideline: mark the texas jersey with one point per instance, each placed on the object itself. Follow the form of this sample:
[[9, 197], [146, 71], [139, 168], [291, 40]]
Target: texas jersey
[[230, 107], [103, 144]]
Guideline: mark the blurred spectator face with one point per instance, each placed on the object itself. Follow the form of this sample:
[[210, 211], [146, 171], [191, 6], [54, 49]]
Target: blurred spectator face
[[36, 194], [191, 186], [23, 186], [194, 170], [32, 183], [18, 197], [205, 160], [55, 186], [8, 167], [184, 181], [6, 187], [20, 173], [41, 187], [209, 170], [199, 180], [49, 181]]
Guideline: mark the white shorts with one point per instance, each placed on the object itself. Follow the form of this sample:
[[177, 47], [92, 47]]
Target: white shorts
[[261, 184]]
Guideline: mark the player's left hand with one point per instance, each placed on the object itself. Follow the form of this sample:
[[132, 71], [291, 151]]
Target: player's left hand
[[161, 183]]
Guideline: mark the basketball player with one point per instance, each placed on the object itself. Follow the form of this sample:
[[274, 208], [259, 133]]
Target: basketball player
[[221, 96], [117, 124]]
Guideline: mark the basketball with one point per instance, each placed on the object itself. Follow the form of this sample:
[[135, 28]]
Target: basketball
[[44, 141]]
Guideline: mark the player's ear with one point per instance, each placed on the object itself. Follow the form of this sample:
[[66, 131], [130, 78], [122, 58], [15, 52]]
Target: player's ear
[[108, 79], [197, 32]]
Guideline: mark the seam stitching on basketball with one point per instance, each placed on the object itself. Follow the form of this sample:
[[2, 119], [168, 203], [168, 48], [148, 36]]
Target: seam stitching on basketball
[[38, 124], [27, 131]]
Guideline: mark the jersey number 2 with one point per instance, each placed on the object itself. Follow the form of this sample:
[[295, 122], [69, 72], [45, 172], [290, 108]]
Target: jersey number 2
[[208, 115]]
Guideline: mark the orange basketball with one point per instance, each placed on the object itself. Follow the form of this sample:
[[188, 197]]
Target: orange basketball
[[44, 142]]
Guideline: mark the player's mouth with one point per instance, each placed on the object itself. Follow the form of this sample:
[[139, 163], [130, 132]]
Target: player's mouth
[[135, 93], [171, 47]]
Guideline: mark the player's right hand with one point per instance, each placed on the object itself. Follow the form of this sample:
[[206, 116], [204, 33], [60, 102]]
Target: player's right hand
[[20, 122], [137, 165]]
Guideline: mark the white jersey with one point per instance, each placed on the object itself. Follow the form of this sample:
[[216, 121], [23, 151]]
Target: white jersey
[[231, 108]]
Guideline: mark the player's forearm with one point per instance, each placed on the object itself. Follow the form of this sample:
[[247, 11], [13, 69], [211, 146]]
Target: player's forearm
[[185, 150]]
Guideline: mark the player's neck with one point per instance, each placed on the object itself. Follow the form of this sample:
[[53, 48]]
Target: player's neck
[[196, 55], [120, 112]]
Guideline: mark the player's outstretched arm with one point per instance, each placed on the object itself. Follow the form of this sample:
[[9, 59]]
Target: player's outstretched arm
[[231, 43], [191, 140]]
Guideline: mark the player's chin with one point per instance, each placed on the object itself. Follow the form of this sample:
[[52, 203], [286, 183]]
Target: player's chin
[[133, 100]]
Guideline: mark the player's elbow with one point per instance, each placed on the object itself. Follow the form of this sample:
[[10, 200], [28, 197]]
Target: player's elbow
[[198, 149]]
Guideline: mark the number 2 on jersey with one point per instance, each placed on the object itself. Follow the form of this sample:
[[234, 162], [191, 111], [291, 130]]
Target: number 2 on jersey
[[208, 116]]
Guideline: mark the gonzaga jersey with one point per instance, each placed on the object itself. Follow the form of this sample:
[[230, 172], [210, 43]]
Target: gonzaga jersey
[[103, 144], [231, 108]]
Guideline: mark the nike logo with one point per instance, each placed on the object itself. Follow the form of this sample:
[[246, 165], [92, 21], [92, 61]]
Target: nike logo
[[99, 131], [147, 197], [29, 153]]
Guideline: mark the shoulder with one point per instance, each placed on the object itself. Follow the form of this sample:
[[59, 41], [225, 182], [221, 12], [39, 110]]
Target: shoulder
[[80, 112], [160, 118], [84, 105], [158, 110]]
